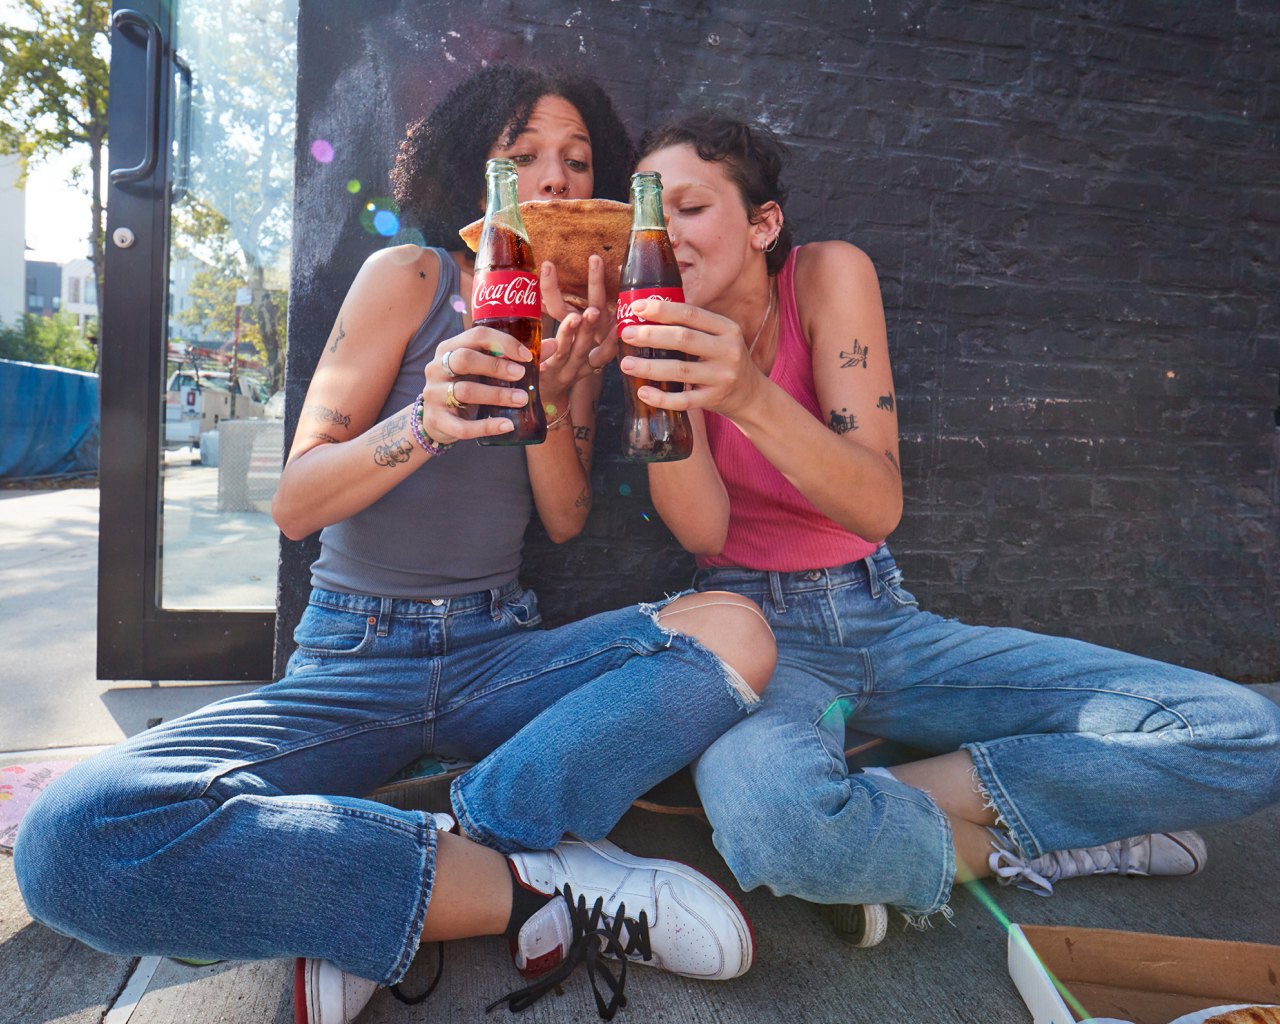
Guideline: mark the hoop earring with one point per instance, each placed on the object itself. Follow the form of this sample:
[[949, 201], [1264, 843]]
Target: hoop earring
[[773, 244]]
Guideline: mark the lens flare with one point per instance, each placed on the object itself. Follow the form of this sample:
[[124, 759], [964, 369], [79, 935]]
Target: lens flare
[[459, 304], [380, 216], [353, 186], [625, 490], [322, 150]]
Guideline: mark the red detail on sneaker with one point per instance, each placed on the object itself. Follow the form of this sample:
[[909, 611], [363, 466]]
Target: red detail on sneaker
[[538, 965], [300, 991]]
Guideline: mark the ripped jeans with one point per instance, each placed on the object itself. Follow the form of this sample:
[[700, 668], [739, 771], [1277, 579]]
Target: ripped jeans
[[1075, 745], [239, 831]]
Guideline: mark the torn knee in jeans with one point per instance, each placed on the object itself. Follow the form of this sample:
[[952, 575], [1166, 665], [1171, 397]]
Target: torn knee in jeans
[[732, 628]]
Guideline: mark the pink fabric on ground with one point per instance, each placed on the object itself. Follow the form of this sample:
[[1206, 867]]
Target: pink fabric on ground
[[20, 784]]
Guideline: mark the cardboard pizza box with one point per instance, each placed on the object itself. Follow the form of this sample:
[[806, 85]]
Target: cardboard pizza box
[[1136, 978]]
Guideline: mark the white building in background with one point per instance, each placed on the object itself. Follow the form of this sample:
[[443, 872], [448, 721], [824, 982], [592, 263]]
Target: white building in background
[[13, 244], [80, 292]]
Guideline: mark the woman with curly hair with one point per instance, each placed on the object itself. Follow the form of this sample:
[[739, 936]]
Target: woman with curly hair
[[1054, 759], [206, 837]]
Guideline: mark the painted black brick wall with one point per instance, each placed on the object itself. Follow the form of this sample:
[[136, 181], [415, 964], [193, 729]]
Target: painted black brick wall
[[1074, 209]]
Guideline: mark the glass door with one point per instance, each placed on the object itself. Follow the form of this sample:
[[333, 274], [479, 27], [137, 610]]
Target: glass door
[[194, 336], [234, 74]]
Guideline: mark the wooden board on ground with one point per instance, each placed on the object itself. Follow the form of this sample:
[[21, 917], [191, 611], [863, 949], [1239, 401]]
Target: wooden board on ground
[[678, 794]]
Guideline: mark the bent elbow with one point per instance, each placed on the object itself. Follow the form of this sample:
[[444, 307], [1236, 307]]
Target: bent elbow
[[289, 525]]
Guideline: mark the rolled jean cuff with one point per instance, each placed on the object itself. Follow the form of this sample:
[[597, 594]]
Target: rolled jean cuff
[[418, 917], [997, 799], [918, 917]]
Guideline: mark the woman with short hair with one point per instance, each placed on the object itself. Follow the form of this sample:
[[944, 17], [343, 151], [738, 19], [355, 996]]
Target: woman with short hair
[[1053, 758]]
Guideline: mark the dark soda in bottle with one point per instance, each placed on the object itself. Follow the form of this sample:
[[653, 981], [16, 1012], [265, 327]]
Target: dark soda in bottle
[[649, 270], [505, 296]]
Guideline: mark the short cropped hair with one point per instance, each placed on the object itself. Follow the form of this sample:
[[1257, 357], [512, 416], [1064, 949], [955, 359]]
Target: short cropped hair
[[438, 178], [754, 158]]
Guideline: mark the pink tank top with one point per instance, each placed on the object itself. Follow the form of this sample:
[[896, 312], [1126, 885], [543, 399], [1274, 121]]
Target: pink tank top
[[771, 524]]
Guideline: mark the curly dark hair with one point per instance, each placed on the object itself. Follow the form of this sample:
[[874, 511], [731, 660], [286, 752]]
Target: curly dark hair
[[439, 174], [754, 158]]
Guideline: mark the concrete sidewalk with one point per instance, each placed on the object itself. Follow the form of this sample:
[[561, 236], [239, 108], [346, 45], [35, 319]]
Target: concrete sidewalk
[[53, 705]]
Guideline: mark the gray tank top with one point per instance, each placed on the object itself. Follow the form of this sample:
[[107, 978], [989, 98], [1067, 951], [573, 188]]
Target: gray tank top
[[456, 525]]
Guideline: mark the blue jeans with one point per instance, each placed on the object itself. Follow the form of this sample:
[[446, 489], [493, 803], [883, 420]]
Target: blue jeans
[[1074, 744], [240, 832]]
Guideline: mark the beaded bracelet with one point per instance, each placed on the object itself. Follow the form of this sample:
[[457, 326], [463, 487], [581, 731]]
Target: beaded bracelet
[[426, 443]]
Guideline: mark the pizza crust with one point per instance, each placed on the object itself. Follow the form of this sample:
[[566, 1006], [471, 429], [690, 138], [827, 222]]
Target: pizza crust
[[567, 232], [1249, 1015]]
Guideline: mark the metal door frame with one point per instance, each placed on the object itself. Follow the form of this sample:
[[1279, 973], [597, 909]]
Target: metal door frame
[[136, 638]]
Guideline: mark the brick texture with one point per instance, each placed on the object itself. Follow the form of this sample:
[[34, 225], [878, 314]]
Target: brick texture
[[1075, 214]]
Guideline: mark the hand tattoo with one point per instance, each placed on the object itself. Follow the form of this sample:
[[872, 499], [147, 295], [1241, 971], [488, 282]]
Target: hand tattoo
[[327, 415], [858, 357], [341, 334], [885, 403], [393, 454], [842, 424]]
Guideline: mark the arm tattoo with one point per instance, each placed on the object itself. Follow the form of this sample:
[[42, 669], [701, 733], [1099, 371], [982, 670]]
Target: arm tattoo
[[584, 498], [885, 403], [327, 438], [389, 431], [393, 454], [842, 424], [327, 415], [858, 357], [341, 334], [889, 456], [582, 433]]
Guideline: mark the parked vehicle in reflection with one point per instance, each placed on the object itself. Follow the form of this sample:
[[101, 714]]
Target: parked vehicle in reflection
[[196, 401]]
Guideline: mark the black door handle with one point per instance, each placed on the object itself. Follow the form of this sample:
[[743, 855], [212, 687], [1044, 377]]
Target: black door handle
[[125, 19]]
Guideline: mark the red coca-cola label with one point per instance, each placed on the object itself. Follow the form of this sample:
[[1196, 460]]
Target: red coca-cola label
[[628, 319], [496, 293]]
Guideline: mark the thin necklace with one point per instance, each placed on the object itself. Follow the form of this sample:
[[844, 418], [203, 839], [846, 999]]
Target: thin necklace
[[767, 310]]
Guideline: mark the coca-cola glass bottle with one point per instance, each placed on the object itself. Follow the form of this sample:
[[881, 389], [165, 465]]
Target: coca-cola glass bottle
[[505, 296], [649, 270]]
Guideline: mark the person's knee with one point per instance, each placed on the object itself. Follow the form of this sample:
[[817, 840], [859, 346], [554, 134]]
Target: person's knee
[[732, 627]]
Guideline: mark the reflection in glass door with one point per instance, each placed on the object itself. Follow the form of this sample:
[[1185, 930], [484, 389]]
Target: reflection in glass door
[[235, 71]]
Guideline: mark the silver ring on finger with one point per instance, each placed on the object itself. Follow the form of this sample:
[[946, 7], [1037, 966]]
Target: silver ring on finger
[[451, 400], [444, 365]]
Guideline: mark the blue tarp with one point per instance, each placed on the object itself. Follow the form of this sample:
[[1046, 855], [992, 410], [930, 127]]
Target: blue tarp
[[48, 420]]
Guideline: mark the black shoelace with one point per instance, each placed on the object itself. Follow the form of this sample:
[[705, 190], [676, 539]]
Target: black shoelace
[[592, 938], [415, 1000]]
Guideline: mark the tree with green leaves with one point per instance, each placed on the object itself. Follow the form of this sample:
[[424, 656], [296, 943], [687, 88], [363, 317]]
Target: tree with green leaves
[[236, 213], [53, 90], [49, 341]]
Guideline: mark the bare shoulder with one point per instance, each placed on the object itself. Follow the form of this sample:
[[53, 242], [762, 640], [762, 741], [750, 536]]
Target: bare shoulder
[[401, 267], [834, 277], [819, 264]]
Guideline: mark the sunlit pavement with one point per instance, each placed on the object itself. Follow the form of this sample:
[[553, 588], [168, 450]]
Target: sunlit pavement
[[49, 692]]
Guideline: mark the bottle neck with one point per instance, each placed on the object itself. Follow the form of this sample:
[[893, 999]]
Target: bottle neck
[[502, 203], [646, 205]]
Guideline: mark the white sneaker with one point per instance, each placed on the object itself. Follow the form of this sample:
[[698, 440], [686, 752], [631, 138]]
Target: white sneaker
[[662, 913], [1162, 853], [322, 994]]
